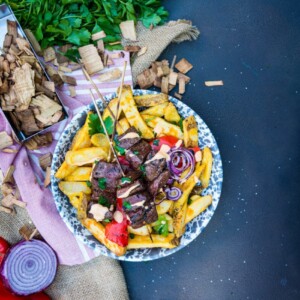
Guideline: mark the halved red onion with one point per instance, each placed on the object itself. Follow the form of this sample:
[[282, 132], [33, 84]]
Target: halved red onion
[[29, 267], [173, 193], [180, 160]]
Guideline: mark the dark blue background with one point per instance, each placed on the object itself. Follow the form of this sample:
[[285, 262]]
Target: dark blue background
[[251, 247]]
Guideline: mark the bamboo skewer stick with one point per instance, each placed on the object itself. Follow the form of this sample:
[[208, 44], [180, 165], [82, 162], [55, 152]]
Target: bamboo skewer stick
[[119, 97], [106, 133]]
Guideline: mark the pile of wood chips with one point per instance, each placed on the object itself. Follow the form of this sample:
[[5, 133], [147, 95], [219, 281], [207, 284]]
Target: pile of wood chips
[[25, 93], [163, 76]]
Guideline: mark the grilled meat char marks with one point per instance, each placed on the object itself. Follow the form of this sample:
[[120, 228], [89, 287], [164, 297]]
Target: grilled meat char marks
[[138, 153], [141, 210], [134, 187], [158, 183], [154, 167], [129, 138]]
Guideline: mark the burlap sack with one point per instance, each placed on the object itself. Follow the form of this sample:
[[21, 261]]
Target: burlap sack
[[102, 277], [157, 39]]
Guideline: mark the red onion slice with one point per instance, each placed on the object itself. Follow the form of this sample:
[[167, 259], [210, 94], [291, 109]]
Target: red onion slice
[[29, 267], [173, 193]]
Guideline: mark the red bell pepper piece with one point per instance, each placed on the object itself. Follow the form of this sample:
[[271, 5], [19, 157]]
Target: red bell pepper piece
[[164, 140]]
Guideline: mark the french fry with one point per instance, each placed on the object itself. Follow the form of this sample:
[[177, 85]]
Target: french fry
[[171, 114], [80, 201], [198, 205], [70, 188], [144, 230], [85, 156], [82, 137], [148, 118], [64, 170], [190, 132], [162, 127], [163, 207], [207, 161], [170, 223], [98, 231], [122, 126], [80, 174], [151, 99], [132, 114], [158, 110], [113, 104], [139, 242], [180, 206], [100, 140]]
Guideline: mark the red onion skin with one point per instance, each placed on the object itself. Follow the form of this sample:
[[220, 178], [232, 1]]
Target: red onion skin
[[6, 284]]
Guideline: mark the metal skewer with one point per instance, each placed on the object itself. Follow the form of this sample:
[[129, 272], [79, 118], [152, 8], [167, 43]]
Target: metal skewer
[[119, 97], [105, 131]]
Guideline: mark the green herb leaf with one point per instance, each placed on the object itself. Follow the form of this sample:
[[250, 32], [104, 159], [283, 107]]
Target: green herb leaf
[[161, 225], [107, 220], [96, 127], [79, 37], [126, 205], [120, 150], [88, 183], [156, 142], [102, 183], [103, 201], [136, 152], [131, 235], [142, 168], [125, 180], [189, 202]]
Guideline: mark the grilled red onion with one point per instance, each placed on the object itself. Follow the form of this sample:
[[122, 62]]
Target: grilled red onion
[[29, 267], [180, 160], [173, 193]]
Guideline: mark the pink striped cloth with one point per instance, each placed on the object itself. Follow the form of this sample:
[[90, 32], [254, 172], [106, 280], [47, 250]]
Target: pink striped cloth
[[29, 176]]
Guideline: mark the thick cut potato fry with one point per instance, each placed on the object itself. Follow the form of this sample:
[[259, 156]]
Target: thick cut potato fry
[[171, 114], [82, 138], [162, 127], [100, 140], [71, 188], [180, 206], [144, 230], [148, 118], [163, 207], [113, 107], [170, 223], [132, 114], [64, 170], [197, 207], [98, 231], [150, 100], [122, 126], [139, 242], [190, 132], [207, 161], [80, 202], [158, 110], [80, 174], [85, 156]]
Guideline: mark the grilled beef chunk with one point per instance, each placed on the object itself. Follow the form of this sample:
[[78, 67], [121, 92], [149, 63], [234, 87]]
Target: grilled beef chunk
[[159, 182], [154, 167], [108, 215], [141, 211], [134, 187], [132, 175], [107, 170], [129, 138], [137, 153], [110, 195]]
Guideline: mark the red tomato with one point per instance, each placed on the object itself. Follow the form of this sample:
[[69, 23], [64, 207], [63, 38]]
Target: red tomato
[[4, 246], [117, 232], [123, 160], [164, 140], [195, 149]]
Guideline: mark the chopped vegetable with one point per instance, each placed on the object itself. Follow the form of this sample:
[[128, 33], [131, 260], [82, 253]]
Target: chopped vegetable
[[127, 205], [161, 226], [102, 183], [4, 246], [125, 180], [96, 127], [103, 201], [164, 140], [173, 193]]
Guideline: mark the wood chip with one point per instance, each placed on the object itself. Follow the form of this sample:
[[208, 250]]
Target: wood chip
[[99, 35], [160, 71], [91, 59], [116, 55], [132, 49], [173, 78], [146, 79], [165, 85], [10, 200], [12, 29], [214, 83], [72, 91], [64, 69], [49, 54], [6, 210], [186, 78], [69, 80], [35, 44], [115, 43], [9, 175], [6, 189], [183, 66], [110, 75], [9, 150], [45, 160], [59, 54], [181, 89], [178, 96], [142, 51], [100, 45], [38, 141], [44, 90], [28, 231], [128, 30], [5, 140], [157, 82], [49, 85], [47, 180]]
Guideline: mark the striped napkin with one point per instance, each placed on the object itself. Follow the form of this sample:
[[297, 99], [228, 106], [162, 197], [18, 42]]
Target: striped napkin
[[30, 177]]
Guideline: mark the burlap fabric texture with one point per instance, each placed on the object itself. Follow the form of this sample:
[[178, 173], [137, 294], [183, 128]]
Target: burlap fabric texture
[[157, 39], [102, 277]]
